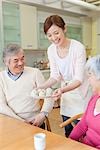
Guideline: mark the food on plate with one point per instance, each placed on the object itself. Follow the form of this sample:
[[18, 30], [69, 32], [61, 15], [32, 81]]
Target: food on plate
[[41, 93], [48, 92], [34, 93]]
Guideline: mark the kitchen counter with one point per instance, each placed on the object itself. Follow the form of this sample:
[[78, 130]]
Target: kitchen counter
[[45, 70]]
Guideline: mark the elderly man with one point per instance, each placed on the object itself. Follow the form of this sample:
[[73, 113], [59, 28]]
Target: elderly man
[[16, 83]]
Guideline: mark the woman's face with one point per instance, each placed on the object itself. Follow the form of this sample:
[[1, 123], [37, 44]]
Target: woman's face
[[56, 35]]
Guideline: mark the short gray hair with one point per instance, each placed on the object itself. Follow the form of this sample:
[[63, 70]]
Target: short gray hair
[[10, 50], [93, 65]]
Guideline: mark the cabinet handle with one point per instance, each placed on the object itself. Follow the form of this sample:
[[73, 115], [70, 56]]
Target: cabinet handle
[[29, 46]]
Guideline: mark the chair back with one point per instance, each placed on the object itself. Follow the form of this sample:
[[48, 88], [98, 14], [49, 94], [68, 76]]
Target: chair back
[[70, 120]]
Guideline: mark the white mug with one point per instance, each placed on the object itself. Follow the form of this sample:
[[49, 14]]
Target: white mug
[[40, 141]]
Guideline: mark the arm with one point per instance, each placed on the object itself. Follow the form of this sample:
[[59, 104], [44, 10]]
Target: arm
[[47, 105], [47, 83], [78, 66], [71, 86], [46, 108], [41, 83], [54, 72], [79, 130], [48, 102], [4, 108]]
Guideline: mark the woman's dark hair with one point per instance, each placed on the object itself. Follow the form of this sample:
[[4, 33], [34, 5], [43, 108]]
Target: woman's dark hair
[[54, 19]]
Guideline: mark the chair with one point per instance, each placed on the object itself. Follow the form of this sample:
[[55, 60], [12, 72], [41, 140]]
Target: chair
[[70, 120], [47, 123]]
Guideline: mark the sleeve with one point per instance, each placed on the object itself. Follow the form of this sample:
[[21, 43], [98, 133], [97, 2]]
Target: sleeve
[[4, 108], [80, 63], [47, 105], [81, 128], [39, 77], [54, 70], [48, 102]]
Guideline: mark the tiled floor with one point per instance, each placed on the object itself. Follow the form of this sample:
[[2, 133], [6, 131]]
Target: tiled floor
[[55, 119]]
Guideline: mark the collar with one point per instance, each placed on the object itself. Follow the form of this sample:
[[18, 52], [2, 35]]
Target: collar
[[12, 76]]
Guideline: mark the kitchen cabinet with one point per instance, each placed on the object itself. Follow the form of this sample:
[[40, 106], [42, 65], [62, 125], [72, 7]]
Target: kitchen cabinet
[[20, 25], [43, 42], [74, 32], [28, 22], [11, 23]]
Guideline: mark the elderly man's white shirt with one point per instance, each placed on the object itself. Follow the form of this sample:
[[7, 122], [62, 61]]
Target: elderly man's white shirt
[[17, 94]]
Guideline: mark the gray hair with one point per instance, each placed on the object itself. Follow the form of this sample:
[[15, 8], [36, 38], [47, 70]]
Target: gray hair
[[93, 66], [10, 50]]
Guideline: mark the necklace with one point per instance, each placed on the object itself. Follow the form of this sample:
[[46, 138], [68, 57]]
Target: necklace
[[63, 52]]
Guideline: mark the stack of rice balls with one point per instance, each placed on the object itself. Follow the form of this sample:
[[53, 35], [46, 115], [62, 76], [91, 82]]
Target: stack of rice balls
[[41, 93]]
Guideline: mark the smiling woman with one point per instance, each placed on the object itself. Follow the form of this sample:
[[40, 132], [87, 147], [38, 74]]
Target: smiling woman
[[67, 58]]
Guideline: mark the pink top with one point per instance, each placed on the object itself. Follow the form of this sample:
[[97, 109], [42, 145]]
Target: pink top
[[89, 126]]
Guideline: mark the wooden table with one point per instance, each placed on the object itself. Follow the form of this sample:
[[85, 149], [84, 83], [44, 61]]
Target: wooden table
[[17, 135]]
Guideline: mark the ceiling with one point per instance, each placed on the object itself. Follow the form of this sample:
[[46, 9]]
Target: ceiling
[[82, 7], [95, 2]]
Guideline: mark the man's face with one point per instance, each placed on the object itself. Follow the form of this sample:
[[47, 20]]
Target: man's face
[[16, 63]]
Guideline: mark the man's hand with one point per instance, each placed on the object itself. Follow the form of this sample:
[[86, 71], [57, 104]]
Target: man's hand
[[39, 119]]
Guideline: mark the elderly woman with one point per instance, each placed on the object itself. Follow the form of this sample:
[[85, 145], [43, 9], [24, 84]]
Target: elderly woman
[[88, 129]]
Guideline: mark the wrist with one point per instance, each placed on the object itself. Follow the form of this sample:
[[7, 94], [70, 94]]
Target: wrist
[[45, 113], [62, 90]]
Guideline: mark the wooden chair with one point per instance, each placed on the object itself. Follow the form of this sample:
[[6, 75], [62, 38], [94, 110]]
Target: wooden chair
[[70, 120], [47, 123]]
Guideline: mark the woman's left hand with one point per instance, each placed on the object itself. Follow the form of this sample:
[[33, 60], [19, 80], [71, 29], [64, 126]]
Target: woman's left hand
[[57, 94]]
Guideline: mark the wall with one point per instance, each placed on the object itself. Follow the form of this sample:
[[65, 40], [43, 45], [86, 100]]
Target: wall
[[34, 56], [42, 15], [95, 35], [98, 35], [87, 31], [1, 35]]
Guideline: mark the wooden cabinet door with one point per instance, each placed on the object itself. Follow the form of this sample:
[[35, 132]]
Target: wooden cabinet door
[[28, 20], [11, 23]]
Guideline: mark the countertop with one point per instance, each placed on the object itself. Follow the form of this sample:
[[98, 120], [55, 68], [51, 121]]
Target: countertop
[[45, 70]]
